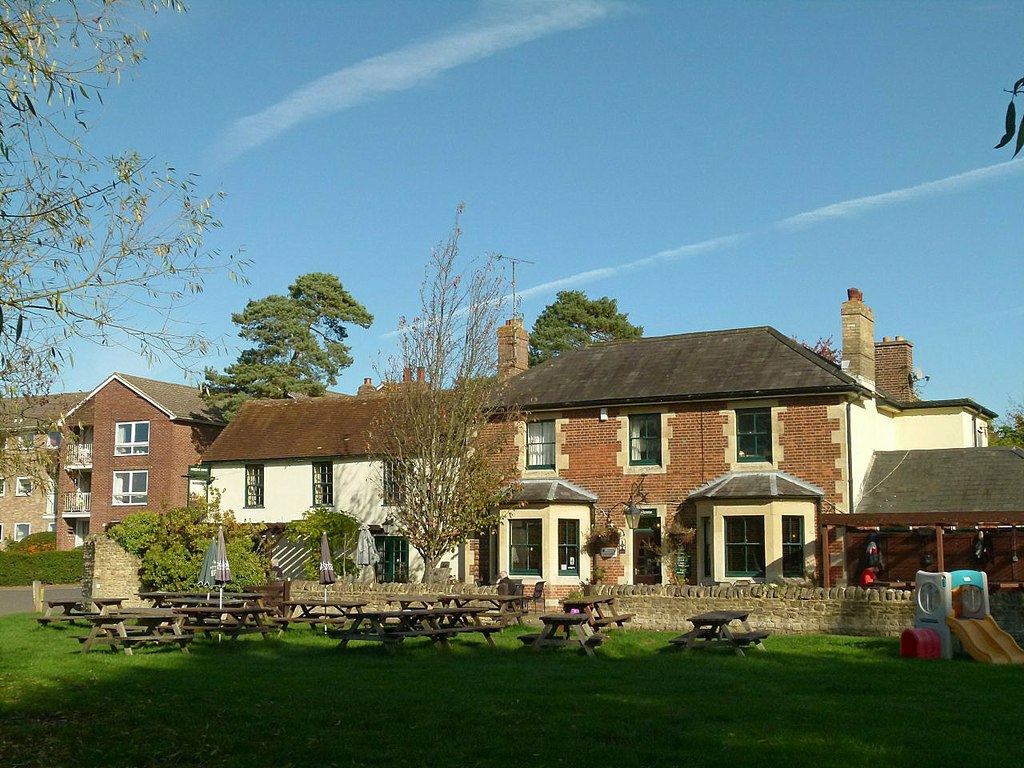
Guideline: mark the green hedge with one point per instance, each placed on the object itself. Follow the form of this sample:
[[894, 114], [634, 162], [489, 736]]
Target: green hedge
[[18, 569]]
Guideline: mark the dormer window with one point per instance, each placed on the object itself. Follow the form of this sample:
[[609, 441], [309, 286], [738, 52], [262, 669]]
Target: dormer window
[[131, 438]]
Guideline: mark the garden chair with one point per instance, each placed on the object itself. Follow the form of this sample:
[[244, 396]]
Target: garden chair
[[537, 598]]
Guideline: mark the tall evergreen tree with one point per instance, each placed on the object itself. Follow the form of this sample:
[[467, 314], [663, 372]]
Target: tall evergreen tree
[[574, 321], [299, 343]]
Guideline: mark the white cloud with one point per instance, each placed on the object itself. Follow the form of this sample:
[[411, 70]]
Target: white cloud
[[504, 27], [849, 208]]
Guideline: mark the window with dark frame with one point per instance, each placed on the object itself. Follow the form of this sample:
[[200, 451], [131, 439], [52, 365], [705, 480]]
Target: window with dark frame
[[645, 439], [394, 481], [540, 444], [793, 546], [754, 434], [744, 546], [568, 547], [525, 547], [323, 484], [253, 485]]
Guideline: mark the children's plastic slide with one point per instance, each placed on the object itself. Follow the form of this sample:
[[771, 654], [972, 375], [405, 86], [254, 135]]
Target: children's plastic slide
[[983, 639]]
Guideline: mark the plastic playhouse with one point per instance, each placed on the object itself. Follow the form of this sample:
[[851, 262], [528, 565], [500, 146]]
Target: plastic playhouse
[[955, 605]]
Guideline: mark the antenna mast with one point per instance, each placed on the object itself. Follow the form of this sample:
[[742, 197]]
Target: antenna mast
[[513, 262]]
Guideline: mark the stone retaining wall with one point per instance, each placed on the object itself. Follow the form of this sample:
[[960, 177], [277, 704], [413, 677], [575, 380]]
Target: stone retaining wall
[[110, 571], [783, 610]]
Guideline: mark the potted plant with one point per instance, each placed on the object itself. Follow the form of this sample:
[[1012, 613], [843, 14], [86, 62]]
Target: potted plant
[[603, 535], [590, 587]]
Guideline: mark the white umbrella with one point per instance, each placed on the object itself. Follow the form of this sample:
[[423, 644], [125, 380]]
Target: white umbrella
[[366, 547]]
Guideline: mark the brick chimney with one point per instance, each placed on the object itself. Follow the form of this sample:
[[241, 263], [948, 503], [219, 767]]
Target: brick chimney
[[894, 368], [858, 337], [513, 348], [421, 374], [366, 388]]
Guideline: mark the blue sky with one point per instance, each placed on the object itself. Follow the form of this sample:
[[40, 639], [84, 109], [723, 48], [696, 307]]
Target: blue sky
[[710, 165]]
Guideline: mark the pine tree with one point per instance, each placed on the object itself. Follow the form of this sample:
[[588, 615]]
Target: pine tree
[[574, 321]]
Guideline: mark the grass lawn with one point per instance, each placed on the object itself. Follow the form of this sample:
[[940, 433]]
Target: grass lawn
[[299, 701]]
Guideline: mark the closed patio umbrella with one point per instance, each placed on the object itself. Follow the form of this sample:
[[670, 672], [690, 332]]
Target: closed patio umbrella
[[206, 569], [366, 547], [221, 566], [327, 575]]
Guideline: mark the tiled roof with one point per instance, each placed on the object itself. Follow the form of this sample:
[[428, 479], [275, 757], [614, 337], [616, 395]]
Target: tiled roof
[[745, 362], [757, 485], [46, 409], [945, 480], [290, 429], [180, 400], [535, 490]]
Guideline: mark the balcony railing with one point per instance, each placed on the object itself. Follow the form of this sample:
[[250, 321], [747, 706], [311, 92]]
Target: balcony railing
[[77, 504], [78, 454]]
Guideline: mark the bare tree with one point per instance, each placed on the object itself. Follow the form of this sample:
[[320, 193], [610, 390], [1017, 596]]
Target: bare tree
[[445, 472], [101, 249]]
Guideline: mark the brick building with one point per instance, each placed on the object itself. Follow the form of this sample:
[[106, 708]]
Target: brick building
[[724, 446], [127, 446], [27, 488]]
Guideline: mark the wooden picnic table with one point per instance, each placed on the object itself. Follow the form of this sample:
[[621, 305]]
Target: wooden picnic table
[[231, 620], [162, 599], [565, 629], [715, 629], [438, 625], [77, 608], [600, 610], [333, 612], [142, 626], [502, 609], [414, 601]]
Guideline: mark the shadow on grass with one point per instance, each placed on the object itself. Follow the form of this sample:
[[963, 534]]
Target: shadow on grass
[[299, 700]]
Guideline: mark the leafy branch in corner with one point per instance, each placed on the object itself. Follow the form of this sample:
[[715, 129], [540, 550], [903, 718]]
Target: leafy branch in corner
[[1011, 121]]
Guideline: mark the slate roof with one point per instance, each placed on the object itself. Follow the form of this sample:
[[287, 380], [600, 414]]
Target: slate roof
[[757, 485], [944, 480], [744, 362], [535, 490], [292, 429]]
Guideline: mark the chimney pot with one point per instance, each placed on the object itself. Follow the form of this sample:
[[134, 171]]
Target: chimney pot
[[421, 373], [407, 374], [854, 294], [886, 338]]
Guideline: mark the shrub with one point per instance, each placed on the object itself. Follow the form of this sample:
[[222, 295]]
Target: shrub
[[137, 532], [171, 546], [46, 541], [20, 569]]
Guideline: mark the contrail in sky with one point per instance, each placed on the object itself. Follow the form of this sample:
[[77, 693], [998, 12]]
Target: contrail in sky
[[808, 218], [860, 204], [507, 26]]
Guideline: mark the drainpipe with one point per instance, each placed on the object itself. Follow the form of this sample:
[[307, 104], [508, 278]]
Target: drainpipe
[[849, 457]]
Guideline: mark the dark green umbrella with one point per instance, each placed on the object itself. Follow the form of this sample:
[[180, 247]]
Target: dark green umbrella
[[206, 569]]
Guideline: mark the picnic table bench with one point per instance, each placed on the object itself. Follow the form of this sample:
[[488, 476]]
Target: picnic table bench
[[231, 620], [565, 629], [500, 609], [438, 625], [714, 629], [317, 612], [127, 629], [600, 610], [77, 609]]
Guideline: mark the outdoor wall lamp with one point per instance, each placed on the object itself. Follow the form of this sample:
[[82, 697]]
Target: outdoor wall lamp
[[389, 524], [633, 514]]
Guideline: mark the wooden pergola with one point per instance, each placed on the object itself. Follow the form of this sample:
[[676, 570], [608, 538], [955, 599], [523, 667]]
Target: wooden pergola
[[938, 521]]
